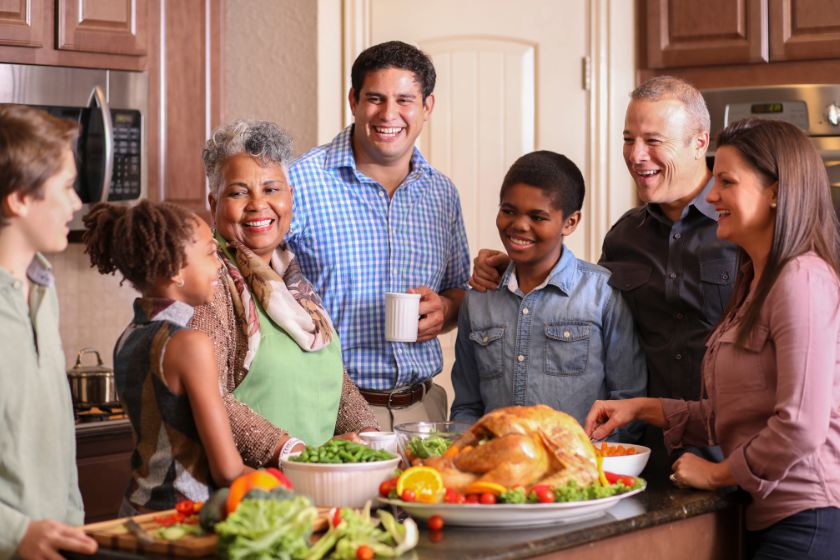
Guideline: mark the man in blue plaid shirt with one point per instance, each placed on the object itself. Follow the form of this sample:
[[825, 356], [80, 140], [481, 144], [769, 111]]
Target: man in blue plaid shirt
[[371, 216]]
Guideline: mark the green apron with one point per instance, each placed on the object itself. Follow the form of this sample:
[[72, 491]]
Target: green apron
[[295, 390]]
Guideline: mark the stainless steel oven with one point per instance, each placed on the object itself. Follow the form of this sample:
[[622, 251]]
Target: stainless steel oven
[[111, 108], [815, 108]]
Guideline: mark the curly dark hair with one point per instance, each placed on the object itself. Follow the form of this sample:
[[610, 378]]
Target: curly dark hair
[[554, 174], [144, 242], [394, 54]]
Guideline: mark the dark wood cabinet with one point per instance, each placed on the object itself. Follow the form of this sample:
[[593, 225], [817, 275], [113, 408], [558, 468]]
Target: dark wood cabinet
[[110, 34], [103, 455], [687, 33], [804, 29], [690, 33], [24, 23], [102, 26]]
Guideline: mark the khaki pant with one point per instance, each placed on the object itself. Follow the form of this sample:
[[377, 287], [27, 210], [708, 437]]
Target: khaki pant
[[432, 408]]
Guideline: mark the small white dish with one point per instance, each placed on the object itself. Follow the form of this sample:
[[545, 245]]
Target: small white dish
[[629, 465], [380, 440]]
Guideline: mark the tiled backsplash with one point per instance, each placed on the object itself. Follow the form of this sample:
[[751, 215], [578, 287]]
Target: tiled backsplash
[[94, 307]]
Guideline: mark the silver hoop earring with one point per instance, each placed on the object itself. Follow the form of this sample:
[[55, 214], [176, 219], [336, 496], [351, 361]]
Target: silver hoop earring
[[772, 205]]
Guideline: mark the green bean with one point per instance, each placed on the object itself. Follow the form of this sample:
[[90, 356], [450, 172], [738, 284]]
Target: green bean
[[341, 451]]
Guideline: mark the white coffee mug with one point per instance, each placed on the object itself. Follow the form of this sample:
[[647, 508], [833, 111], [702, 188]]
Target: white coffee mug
[[402, 313]]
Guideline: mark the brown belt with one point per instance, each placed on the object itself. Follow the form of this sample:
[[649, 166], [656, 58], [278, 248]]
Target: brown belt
[[398, 398]]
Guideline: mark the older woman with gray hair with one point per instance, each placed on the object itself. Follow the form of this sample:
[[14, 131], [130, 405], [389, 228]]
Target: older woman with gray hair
[[280, 367]]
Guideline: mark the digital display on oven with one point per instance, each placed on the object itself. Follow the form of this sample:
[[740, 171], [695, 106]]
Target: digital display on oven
[[766, 108]]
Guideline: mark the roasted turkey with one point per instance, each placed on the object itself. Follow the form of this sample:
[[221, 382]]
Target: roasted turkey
[[519, 446]]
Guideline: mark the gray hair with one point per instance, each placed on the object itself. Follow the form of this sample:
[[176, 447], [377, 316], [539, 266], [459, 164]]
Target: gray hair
[[669, 87], [262, 140]]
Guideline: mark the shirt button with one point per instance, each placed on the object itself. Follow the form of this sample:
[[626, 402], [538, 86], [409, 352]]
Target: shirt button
[[672, 276], [566, 334], [678, 357], [16, 284], [525, 311], [520, 358], [485, 340], [724, 276], [677, 235], [680, 316]]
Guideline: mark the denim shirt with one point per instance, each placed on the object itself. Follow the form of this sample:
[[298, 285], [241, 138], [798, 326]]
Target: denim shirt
[[567, 343]]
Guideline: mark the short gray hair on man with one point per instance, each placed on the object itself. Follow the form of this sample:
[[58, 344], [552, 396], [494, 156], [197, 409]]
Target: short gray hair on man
[[669, 87], [262, 140]]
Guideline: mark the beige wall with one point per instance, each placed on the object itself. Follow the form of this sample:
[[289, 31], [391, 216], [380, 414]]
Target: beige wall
[[270, 65], [94, 308]]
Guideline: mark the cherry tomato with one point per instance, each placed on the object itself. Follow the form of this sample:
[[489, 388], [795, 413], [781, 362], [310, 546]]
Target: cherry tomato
[[453, 497], [435, 523], [471, 499], [197, 507], [387, 486], [435, 536], [185, 507], [613, 478], [364, 552], [408, 495], [336, 518], [487, 498], [545, 495]]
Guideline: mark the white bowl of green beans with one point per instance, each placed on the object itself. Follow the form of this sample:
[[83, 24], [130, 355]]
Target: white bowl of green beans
[[340, 473]]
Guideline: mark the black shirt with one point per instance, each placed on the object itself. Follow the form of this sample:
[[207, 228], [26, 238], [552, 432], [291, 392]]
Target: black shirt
[[676, 277]]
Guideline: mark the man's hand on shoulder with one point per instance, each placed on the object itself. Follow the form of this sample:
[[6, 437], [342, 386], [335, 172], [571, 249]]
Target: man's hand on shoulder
[[44, 538], [488, 267]]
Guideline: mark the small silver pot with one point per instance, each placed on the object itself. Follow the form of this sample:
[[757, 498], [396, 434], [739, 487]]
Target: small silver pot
[[92, 385]]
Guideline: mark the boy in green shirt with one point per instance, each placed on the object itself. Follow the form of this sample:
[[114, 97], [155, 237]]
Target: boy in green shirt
[[39, 492]]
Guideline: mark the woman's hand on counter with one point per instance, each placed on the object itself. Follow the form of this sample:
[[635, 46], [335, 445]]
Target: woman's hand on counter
[[695, 472], [44, 538]]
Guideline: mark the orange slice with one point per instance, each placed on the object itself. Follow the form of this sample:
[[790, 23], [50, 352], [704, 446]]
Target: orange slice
[[424, 481], [479, 487]]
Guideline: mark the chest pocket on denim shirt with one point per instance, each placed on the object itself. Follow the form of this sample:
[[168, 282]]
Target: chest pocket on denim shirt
[[752, 359], [488, 345], [566, 348]]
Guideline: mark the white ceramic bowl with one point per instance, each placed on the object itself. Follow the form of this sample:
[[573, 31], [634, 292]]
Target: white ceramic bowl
[[631, 465], [447, 430], [339, 485]]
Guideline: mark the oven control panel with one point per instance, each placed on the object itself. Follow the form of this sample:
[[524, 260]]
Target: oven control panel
[[794, 112]]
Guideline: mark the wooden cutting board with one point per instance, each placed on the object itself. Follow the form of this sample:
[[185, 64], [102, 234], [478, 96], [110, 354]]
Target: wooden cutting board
[[114, 535]]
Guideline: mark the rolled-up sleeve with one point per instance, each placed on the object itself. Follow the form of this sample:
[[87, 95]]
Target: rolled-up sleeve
[[802, 309], [688, 423]]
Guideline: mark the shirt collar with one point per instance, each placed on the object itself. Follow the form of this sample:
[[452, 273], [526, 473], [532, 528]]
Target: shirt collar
[[148, 309], [699, 202], [340, 154], [39, 272], [564, 275]]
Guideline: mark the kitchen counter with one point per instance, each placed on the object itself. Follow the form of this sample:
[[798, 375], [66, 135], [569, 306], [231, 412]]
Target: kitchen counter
[[103, 458], [661, 522]]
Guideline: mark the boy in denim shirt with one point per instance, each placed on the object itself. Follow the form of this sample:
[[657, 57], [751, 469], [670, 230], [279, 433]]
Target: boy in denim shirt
[[553, 331]]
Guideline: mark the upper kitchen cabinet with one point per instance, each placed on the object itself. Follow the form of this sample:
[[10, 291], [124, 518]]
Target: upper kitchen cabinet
[[109, 34], [687, 33], [804, 29], [103, 26]]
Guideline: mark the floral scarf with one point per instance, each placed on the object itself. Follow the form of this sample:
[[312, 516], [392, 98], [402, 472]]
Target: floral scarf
[[285, 295]]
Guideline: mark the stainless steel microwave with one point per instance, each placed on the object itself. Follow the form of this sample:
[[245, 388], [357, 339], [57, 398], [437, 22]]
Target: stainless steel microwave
[[110, 106]]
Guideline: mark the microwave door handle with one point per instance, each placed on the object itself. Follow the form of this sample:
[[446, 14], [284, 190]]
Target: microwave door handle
[[98, 102]]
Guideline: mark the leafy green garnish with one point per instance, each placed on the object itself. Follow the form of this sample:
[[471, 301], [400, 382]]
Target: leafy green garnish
[[266, 529], [432, 446]]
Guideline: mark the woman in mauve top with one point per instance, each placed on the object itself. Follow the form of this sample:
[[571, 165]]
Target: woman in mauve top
[[771, 375]]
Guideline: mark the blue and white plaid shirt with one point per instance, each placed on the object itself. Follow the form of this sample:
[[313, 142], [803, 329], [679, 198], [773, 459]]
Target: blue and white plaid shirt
[[355, 243]]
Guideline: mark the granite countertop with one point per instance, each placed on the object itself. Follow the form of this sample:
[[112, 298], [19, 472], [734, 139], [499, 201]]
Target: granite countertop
[[659, 504]]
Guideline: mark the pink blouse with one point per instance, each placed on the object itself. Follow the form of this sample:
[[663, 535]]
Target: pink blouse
[[773, 405]]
